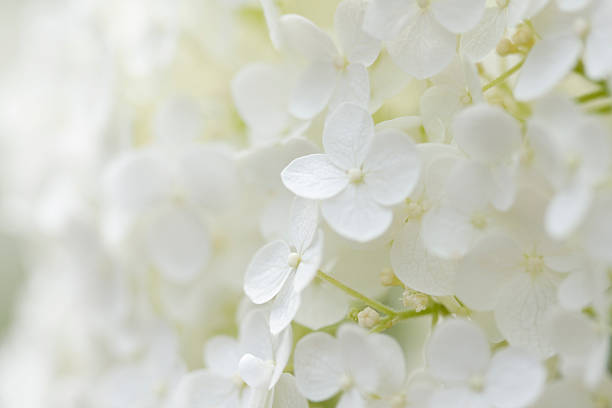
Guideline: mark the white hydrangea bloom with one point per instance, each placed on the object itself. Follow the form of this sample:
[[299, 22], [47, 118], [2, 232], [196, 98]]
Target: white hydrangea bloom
[[359, 176], [459, 356], [281, 270]]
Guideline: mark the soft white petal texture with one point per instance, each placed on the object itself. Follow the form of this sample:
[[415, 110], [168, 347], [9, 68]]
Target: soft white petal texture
[[314, 177], [547, 63], [304, 223], [313, 90], [303, 36], [357, 355], [572, 5], [392, 167], [458, 17], [284, 307], [383, 17], [255, 335], [178, 120], [322, 306], [457, 397], [504, 186], [521, 309], [515, 379], [486, 133], [272, 16], [206, 390], [390, 360], [457, 350], [353, 85], [222, 355], [347, 135], [287, 395], [570, 333], [178, 244], [136, 181], [210, 177], [267, 272], [249, 86], [423, 48], [565, 394], [438, 106], [597, 52], [486, 269], [283, 343], [310, 263], [416, 267], [318, 366], [597, 230], [567, 209], [469, 187], [577, 290], [448, 233], [355, 214], [357, 45], [351, 399], [255, 371], [477, 43]]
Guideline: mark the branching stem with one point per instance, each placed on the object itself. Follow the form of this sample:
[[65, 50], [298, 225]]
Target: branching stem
[[500, 79]]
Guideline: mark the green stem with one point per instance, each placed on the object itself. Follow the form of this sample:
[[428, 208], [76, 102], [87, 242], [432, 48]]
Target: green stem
[[500, 79], [352, 292], [602, 93]]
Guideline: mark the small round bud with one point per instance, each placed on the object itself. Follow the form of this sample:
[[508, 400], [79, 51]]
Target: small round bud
[[505, 47], [581, 27], [423, 3], [355, 175], [523, 37], [368, 318], [388, 278], [415, 300], [293, 259]]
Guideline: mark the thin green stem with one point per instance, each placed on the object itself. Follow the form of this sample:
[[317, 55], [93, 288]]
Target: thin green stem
[[602, 93], [500, 79], [357, 295]]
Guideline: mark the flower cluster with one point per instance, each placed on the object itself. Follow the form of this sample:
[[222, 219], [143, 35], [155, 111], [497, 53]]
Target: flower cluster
[[306, 203]]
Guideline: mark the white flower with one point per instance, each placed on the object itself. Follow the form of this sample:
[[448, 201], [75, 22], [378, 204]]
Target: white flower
[[238, 373], [355, 363], [332, 77], [359, 176], [421, 34], [565, 37], [458, 355], [282, 269]]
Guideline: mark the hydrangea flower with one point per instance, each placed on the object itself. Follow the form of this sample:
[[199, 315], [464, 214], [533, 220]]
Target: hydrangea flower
[[360, 175]]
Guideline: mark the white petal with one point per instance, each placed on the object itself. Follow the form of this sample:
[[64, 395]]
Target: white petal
[[457, 397], [304, 223], [469, 187], [598, 230], [249, 86], [355, 215], [255, 337], [357, 45], [392, 167], [283, 344], [318, 366], [504, 182], [303, 36], [347, 135], [521, 310], [310, 263], [178, 120], [416, 267], [390, 361], [457, 350], [597, 53], [486, 133], [570, 333], [383, 17], [137, 180], [178, 244], [267, 272], [477, 43], [314, 89], [254, 371], [572, 5], [286, 394], [438, 106], [203, 389], [353, 86], [322, 306], [458, 17], [566, 210], [547, 63], [222, 355], [485, 270], [284, 307], [447, 233], [314, 177], [351, 399], [357, 354], [577, 290], [515, 379], [210, 177], [423, 48]]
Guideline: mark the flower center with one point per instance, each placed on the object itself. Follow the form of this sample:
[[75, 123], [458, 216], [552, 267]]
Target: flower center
[[293, 259], [479, 221], [340, 62], [466, 99], [533, 263], [346, 382], [502, 3], [423, 3], [355, 175], [476, 383]]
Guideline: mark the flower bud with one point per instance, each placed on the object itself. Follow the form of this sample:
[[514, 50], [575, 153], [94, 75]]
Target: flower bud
[[368, 318], [388, 278], [505, 47], [415, 300]]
